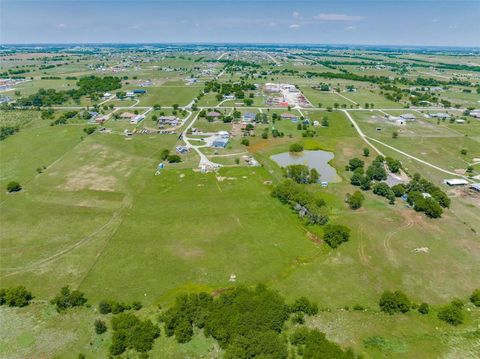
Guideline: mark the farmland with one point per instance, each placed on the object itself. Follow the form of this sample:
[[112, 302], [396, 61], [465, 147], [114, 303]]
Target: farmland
[[97, 212]]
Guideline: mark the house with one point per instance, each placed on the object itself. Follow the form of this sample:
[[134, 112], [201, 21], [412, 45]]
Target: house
[[440, 115], [229, 97], [408, 117], [223, 134], [101, 119], [270, 87], [460, 121], [137, 119], [168, 120], [214, 114], [316, 123], [455, 182], [129, 94], [475, 187], [398, 120], [248, 117], [220, 142], [475, 113], [181, 149], [288, 116], [128, 115], [107, 95], [139, 91]]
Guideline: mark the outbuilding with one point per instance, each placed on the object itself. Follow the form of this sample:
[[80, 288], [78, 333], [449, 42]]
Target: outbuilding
[[455, 182]]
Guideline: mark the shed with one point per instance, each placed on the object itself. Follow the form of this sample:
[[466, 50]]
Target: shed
[[455, 182], [220, 142]]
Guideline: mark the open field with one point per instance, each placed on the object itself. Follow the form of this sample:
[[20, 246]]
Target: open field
[[96, 213]]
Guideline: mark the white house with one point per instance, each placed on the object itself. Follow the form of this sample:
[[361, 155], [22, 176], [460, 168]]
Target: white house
[[137, 119]]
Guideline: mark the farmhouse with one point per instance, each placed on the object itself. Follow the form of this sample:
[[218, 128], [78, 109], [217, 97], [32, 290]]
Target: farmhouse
[[127, 115], [168, 120], [440, 115], [248, 117], [455, 182], [408, 117], [220, 142], [475, 187], [214, 114], [137, 119], [288, 116], [475, 113]]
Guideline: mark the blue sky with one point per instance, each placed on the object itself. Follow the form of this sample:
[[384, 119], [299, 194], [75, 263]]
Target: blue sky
[[387, 22]]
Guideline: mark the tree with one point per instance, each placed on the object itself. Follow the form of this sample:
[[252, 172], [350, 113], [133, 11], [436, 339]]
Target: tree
[[68, 299], [393, 165], [355, 200], [355, 163], [299, 173], [174, 159], [303, 305], [15, 297], [398, 189], [13, 187], [336, 234], [395, 134], [164, 154], [325, 122], [475, 297], [314, 176], [100, 326], [424, 308], [366, 152], [394, 302], [296, 147], [452, 314], [245, 142]]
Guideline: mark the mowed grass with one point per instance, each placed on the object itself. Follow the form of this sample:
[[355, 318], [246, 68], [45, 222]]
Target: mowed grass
[[169, 95], [195, 231]]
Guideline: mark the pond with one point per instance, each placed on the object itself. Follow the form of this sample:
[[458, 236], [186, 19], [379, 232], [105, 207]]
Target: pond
[[313, 159]]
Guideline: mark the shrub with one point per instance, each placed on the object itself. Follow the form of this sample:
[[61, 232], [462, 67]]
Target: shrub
[[100, 326], [475, 297], [15, 297], [89, 130], [174, 159], [245, 142], [131, 332], [296, 147], [303, 305], [424, 308], [164, 154], [355, 163], [355, 200], [68, 299], [13, 187], [104, 307], [394, 302], [336, 234], [452, 314]]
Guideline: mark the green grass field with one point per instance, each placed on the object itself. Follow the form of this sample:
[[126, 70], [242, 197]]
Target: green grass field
[[99, 219]]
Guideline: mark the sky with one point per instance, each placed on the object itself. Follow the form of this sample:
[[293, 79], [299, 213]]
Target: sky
[[381, 22]]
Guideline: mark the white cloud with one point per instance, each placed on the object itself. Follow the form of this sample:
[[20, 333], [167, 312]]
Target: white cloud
[[338, 17], [295, 14], [434, 20], [272, 24], [294, 26], [350, 28], [60, 26]]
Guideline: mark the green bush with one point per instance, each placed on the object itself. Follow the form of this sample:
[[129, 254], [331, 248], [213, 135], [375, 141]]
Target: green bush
[[452, 314], [174, 159], [336, 234], [13, 187], [15, 297], [475, 297], [424, 308], [394, 302], [296, 147], [68, 299], [100, 326]]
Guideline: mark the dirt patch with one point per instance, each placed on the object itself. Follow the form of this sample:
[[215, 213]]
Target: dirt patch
[[90, 177], [314, 238]]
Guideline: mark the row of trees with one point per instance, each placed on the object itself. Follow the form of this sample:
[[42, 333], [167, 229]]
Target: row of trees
[[452, 313], [248, 323]]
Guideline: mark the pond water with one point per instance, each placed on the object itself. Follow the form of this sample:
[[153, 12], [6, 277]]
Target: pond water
[[313, 159]]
